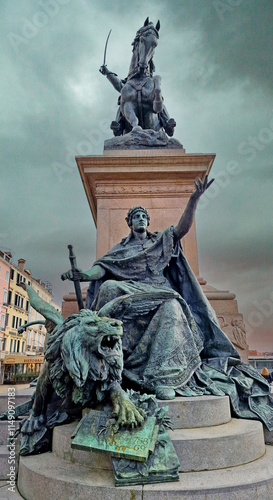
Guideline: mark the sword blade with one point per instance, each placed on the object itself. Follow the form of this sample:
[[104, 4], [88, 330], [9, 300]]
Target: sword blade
[[104, 59], [77, 286]]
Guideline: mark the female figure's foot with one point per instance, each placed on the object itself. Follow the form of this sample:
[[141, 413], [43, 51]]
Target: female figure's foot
[[164, 392]]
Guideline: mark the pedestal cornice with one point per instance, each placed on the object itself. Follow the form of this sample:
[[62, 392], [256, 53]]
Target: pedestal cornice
[[141, 173]]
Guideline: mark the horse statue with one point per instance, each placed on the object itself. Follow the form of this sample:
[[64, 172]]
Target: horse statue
[[140, 103]]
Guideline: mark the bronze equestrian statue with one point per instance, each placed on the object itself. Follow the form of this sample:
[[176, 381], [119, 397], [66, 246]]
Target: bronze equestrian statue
[[141, 104]]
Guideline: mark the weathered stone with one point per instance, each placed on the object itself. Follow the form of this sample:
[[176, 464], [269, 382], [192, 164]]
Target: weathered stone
[[8, 492], [61, 447], [227, 445], [46, 477], [198, 411]]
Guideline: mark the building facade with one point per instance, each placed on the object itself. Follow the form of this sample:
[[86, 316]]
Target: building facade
[[5, 259], [21, 349]]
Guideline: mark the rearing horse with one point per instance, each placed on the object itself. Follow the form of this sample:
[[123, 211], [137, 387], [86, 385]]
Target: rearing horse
[[141, 103]]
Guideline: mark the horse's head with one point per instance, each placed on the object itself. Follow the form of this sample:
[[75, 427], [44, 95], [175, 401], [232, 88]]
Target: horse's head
[[144, 46]]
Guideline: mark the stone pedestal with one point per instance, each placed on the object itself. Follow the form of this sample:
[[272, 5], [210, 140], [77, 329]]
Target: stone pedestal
[[221, 458], [230, 320], [161, 180]]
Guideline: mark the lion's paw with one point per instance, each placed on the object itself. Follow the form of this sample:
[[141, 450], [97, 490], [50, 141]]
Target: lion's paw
[[125, 412]]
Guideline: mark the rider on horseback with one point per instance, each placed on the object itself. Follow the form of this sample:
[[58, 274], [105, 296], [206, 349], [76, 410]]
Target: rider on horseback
[[140, 101]]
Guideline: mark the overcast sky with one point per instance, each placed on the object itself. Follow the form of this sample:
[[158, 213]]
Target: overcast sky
[[215, 59]]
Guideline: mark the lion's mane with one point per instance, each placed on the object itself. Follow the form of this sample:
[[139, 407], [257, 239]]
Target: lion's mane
[[77, 366]]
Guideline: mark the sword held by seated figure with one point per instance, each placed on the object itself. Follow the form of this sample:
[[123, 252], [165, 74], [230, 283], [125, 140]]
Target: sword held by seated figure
[[76, 281]]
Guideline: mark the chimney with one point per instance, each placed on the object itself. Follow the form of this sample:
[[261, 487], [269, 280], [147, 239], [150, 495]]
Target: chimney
[[21, 265]]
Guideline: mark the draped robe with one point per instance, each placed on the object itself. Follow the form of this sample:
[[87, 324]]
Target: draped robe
[[171, 334]]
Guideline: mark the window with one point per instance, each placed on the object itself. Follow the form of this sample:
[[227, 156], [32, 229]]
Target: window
[[9, 297], [20, 322], [27, 305], [7, 319], [13, 321], [5, 297], [22, 302], [18, 345], [7, 276], [10, 345], [18, 279], [14, 346], [4, 344], [11, 274], [2, 322], [23, 346]]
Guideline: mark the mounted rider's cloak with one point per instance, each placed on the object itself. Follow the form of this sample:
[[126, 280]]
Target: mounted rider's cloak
[[171, 333]]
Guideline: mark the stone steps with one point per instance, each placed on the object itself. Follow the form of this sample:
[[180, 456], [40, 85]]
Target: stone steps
[[4, 465], [48, 477], [4, 429], [5, 455], [234, 443], [21, 396], [198, 411], [221, 459], [61, 447], [6, 494]]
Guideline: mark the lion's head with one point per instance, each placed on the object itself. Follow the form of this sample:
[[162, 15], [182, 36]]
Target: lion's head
[[85, 355]]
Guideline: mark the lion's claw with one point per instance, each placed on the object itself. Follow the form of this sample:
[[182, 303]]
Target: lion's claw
[[125, 412]]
